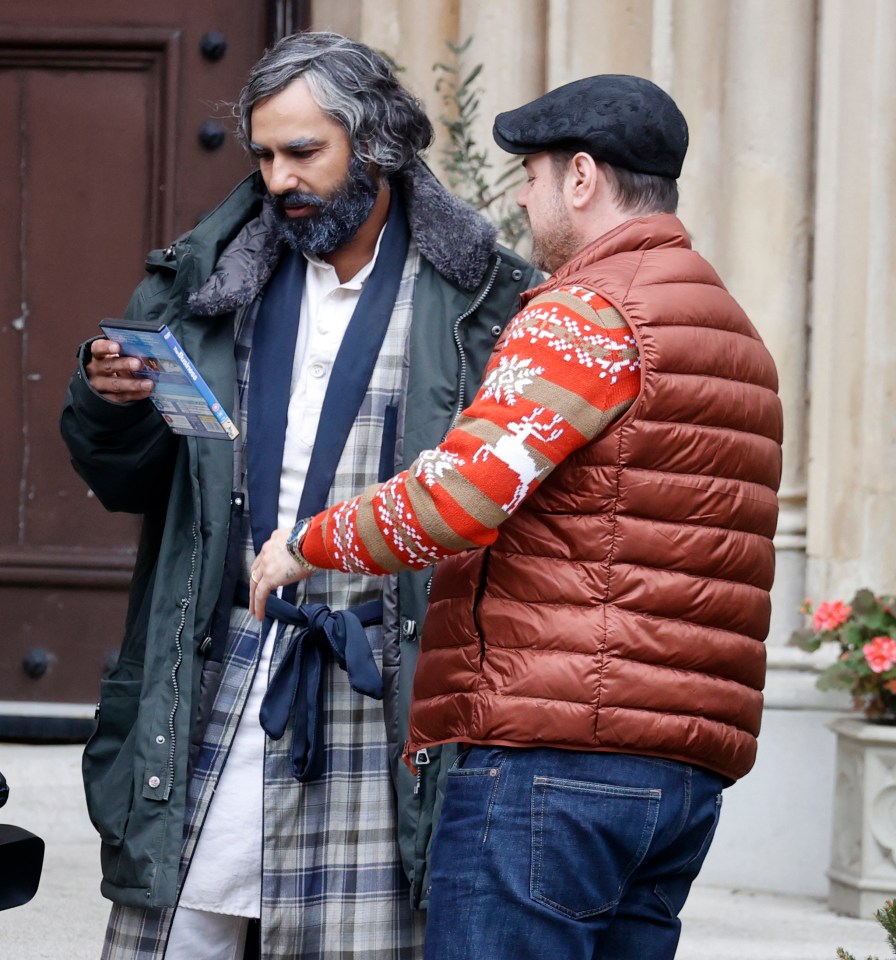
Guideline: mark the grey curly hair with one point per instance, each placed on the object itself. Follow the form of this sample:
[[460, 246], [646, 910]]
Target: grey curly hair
[[352, 84]]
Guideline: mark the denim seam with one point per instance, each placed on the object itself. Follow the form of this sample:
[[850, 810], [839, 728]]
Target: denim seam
[[492, 771], [649, 793], [700, 851], [686, 806], [496, 773]]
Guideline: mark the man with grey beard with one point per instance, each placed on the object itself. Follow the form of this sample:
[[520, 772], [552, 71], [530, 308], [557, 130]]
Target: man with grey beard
[[243, 776]]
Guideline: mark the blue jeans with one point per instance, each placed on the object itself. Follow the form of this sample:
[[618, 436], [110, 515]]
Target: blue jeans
[[543, 854]]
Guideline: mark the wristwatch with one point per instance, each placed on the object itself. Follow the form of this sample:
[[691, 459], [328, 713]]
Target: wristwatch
[[294, 543]]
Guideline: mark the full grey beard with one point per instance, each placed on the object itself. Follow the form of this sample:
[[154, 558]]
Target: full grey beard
[[338, 217]]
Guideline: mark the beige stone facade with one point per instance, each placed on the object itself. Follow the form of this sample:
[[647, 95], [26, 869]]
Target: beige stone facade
[[789, 189]]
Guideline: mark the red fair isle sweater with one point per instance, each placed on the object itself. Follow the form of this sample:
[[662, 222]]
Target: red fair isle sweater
[[566, 367]]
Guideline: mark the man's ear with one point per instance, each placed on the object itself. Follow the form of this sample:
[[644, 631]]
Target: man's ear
[[585, 180]]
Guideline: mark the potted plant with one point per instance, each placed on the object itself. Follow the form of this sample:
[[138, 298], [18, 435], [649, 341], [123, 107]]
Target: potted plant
[[863, 850], [865, 632]]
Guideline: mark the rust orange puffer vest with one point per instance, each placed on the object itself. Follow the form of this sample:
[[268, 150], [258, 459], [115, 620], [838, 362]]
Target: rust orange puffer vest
[[625, 605]]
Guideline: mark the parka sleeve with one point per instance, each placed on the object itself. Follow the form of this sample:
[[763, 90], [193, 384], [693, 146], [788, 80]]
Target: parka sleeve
[[124, 452]]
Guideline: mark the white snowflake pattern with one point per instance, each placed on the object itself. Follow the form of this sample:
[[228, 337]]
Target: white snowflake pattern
[[509, 379], [582, 344], [432, 465]]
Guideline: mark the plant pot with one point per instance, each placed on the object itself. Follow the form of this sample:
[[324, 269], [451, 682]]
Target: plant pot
[[863, 850]]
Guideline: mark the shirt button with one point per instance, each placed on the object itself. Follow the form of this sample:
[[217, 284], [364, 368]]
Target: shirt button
[[154, 782], [160, 739], [317, 370], [323, 328]]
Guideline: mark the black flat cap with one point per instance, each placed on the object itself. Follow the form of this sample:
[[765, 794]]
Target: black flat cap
[[625, 121]]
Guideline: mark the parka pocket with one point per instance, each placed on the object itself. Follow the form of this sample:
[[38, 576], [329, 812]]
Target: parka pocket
[[108, 762]]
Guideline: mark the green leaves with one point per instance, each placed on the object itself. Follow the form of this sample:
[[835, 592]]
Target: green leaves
[[466, 164], [886, 917], [865, 632]]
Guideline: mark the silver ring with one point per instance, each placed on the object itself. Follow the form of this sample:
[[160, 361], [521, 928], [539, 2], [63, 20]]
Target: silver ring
[[252, 577]]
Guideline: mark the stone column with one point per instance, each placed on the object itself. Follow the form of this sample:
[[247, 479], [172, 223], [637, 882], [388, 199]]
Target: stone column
[[413, 34], [742, 74], [586, 37], [852, 479], [746, 89], [508, 39], [747, 92]]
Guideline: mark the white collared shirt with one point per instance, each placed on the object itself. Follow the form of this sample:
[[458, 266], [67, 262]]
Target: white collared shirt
[[327, 308]]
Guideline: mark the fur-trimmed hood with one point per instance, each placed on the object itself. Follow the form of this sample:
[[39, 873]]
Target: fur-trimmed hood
[[452, 236]]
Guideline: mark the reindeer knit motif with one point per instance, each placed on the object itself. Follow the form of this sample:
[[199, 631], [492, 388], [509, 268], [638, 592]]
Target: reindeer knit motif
[[565, 367]]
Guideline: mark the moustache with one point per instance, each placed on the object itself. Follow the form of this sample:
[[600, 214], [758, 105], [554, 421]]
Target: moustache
[[295, 199]]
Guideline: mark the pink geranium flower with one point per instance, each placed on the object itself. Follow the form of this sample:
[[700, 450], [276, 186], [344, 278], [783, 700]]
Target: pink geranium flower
[[831, 615], [880, 653]]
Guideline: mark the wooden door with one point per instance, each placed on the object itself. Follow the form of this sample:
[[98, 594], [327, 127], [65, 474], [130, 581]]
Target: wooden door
[[117, 138]]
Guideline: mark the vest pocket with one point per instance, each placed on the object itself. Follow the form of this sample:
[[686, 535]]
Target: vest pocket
[[108, 762], [607, 827]]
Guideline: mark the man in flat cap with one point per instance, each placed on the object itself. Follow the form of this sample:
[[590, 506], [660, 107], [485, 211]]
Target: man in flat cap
[[603, 513]]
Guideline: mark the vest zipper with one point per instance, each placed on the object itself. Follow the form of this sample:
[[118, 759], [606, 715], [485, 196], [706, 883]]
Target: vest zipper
[[462, 383], [178, 641]]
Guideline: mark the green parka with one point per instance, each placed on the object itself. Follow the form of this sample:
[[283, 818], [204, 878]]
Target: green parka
[[135, 765]]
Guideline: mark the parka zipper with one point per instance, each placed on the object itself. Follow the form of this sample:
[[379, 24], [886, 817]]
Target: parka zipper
[[477, 303], [462, 380], [178, 641]]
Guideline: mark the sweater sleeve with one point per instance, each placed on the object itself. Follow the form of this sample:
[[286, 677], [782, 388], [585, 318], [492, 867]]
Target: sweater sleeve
[[564, 369]]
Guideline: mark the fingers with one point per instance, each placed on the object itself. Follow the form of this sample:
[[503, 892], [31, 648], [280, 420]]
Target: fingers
[[258, 595], [112, 375], [273, 568]]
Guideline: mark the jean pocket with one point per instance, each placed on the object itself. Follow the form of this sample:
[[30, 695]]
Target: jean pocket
[[476, 761], [472, 788], [587, 839]]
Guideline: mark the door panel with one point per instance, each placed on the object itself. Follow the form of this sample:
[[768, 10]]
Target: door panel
[[10, 309], [103, 104]]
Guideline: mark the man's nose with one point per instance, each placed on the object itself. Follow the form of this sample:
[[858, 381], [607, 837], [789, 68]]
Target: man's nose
[[283, 178]]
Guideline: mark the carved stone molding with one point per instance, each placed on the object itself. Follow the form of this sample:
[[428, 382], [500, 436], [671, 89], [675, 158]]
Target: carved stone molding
[[863, 849]]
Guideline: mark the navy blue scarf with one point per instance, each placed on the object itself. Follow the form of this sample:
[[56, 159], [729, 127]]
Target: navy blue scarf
[[296, 689], [273, 351]]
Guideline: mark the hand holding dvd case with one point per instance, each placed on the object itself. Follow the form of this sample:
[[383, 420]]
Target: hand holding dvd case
[[184, 399]]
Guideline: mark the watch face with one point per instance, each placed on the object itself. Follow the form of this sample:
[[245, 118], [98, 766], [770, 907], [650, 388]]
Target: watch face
[[295, 539], [294, 544]]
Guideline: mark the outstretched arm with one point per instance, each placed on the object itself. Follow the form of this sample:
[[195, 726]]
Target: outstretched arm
[[564, 369]]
